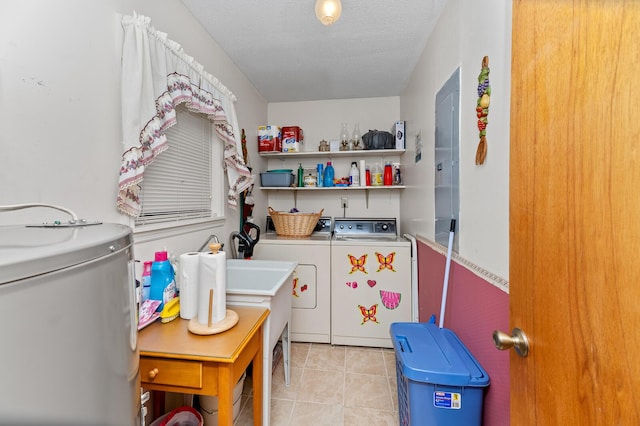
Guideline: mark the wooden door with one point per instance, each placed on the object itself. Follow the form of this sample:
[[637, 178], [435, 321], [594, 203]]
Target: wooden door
[[575, 212]]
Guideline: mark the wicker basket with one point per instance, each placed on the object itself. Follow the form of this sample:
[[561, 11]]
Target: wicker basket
[[294, 225]]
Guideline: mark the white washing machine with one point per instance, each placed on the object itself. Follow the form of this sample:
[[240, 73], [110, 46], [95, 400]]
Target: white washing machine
[[311, 304], [371, 281]]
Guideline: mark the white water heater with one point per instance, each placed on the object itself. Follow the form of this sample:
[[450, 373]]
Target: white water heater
[[68, 347]]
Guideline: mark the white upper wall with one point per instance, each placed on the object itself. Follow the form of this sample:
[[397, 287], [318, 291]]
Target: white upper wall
[[465, 33], [323, 119], [60, 103]]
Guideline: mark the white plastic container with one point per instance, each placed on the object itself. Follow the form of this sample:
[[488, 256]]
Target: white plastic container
[[354, 175], [209, 404]]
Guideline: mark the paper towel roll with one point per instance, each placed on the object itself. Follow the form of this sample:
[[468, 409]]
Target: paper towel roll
[[363, 176], [212, 274], [189, 268]]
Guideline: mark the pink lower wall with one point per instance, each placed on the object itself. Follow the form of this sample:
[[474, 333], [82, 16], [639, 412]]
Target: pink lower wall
[[475, 307]]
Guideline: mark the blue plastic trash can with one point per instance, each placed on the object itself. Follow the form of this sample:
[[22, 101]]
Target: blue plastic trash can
[[439, 381]]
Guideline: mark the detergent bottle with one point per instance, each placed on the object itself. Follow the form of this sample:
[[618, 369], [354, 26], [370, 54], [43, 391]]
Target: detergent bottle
[[328, 175], [163, 284]]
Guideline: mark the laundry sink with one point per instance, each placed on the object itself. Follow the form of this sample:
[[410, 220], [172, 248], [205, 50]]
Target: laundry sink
[[257, 277], [265, 283]]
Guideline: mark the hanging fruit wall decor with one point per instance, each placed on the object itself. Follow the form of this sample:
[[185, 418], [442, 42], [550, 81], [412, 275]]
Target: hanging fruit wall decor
[[482, 109]]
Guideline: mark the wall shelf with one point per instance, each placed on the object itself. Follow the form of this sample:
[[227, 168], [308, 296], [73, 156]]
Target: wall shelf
[[332, 188], [333, 154], [295, 190], [330, 156]]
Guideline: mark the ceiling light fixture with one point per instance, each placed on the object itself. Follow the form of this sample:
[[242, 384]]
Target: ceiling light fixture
[[328, 11]]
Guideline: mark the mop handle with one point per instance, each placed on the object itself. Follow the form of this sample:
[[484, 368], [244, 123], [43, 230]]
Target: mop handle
[[445, 285]]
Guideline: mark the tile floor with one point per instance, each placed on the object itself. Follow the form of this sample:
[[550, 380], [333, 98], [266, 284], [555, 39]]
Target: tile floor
[[339, 385]]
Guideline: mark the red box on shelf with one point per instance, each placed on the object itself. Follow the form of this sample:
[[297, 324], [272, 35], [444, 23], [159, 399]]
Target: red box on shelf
[[292, 138], [269, 139]]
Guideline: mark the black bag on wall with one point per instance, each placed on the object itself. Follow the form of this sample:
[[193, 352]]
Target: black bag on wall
[[376, 139]]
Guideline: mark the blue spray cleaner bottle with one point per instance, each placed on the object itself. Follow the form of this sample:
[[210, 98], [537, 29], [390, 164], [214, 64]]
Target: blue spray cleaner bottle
[[163, 284]]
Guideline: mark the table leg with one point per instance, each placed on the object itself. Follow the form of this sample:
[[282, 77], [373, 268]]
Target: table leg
[[225, 395], [257, 381]]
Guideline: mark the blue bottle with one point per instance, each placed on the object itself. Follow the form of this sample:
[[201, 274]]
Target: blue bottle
[[328, 175], [146, 281], [163, 285], [319, 177]]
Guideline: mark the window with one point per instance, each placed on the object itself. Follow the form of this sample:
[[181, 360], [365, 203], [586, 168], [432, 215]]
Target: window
[[184, 184]]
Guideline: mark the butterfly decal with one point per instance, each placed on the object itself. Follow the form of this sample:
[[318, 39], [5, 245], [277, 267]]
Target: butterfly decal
[[385, 262], [357, 264], [369, 314], [352, 284], [295, 285]]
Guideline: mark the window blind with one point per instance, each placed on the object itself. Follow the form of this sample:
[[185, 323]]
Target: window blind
[[178, 184]]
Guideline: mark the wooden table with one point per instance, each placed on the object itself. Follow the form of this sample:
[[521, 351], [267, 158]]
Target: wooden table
[[173, 359]]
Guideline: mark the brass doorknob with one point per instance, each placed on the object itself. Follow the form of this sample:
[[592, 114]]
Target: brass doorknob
[[518, 341]]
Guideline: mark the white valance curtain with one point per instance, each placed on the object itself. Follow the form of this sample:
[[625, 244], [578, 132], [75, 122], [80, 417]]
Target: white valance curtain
[[157, 75]]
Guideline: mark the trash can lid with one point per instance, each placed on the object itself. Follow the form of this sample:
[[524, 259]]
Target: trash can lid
[[435, 355]]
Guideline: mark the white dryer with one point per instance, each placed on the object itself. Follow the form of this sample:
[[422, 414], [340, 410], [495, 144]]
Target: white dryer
[[371, 285], [311, 304]]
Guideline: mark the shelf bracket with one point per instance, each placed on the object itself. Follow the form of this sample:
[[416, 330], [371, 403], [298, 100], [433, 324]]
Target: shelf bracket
[[366, 198], [295, 198]]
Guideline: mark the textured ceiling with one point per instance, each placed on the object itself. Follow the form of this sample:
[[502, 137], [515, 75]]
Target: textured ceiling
[[289, 55]]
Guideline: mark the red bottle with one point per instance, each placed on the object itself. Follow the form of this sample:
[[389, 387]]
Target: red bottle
[[388, 174], [367, 176]]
